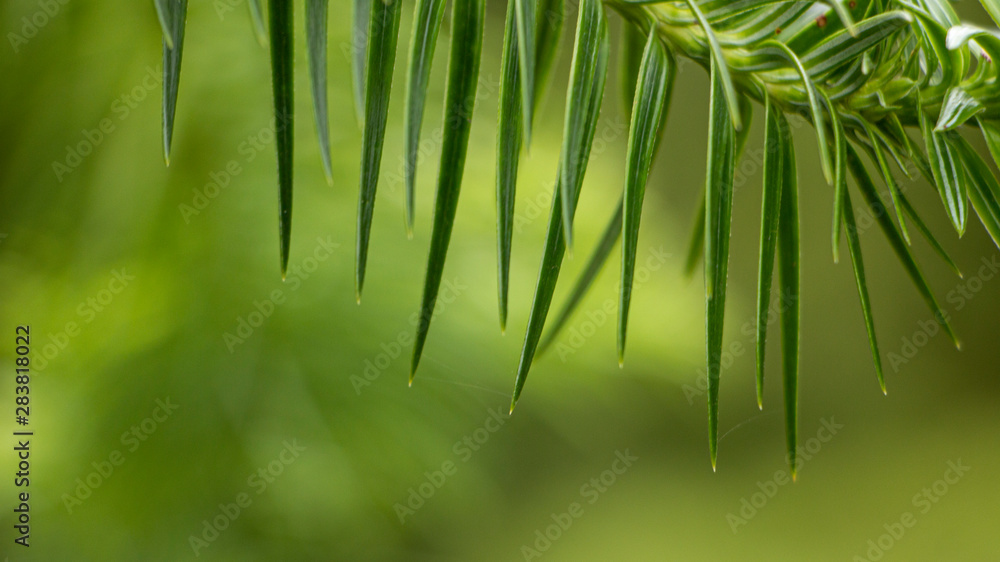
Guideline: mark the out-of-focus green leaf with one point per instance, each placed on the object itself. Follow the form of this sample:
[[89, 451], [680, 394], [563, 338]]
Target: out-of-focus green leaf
[[282, 79], [696, 246], [652, 97], [463, 77], [854, 246], [164, 12], [726, 81], [867, 189], [173, 14], [359, 50], [843, 9], [596, 262], [257, 17], [718, 215], [590, 63], [427, 17], [948, 175], [776, 135], [383, 29], [788, 285], [746, 110], [316, 11]]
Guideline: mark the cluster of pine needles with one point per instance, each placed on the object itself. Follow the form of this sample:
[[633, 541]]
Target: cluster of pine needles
[[893, 81]]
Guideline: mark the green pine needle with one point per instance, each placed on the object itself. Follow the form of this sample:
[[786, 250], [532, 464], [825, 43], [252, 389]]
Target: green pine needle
[[427, 18], [282, 79], [718, 214], [652, 99], [776, 136], [316, 11], [463, 76], [173, 14], [383, 29]]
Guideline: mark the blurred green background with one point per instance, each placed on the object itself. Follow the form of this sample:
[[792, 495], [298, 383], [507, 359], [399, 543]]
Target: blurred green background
[[309, 463]]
